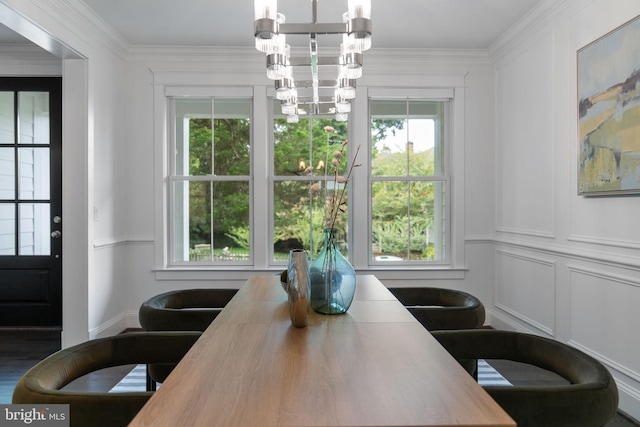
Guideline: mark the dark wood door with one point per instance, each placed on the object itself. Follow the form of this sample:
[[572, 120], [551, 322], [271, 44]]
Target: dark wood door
[[31, 201]]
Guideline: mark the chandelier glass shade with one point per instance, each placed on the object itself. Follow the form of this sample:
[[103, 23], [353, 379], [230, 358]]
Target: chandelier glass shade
[[270, 31]]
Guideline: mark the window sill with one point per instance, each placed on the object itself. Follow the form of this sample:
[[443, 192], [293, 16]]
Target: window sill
[[242, 274]]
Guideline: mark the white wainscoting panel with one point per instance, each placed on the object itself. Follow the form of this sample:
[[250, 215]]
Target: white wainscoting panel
[[525, 288], [605, 318], [524, 167]]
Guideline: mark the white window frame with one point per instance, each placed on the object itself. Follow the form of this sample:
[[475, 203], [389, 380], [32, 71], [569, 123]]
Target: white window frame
[[445, 178], [359, 249], [454, 156], [173, 179]]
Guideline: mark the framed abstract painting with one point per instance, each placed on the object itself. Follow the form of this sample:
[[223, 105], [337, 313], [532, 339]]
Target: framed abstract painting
[[609, 113]]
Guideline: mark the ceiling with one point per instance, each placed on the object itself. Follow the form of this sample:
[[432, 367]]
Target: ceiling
[[415, 24]]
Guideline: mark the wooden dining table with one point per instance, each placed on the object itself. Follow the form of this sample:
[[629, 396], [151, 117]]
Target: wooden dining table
[[372, 366]]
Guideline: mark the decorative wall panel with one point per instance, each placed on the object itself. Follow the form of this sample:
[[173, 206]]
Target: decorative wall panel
[[525, 288], [605, 317], [524, 160]]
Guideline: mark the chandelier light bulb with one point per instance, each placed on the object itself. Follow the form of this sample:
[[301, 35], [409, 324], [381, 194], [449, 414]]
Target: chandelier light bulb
[[342, 117], [343, 105], [359, 8], [278, 64], [265, 9], [285, 89], [289, 110], [358, 18], [268, 39]]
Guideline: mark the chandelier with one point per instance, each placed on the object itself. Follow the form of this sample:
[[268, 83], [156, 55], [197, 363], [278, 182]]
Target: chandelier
[[270, 32]]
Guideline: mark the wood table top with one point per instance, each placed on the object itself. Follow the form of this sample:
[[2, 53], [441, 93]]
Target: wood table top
[[372, 366]]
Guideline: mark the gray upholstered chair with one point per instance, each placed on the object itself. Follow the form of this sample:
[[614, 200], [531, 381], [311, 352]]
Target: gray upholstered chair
[[441, 309], [590, 399], [180, 310], [184, 310], [42, 384]]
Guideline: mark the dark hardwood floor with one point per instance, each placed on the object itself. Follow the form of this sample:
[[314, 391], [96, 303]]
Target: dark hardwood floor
[[21, 349]]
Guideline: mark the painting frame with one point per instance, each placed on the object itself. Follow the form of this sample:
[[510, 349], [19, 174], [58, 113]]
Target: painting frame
[[608, 110]]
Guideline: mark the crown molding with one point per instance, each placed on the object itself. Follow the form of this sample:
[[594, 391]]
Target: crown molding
[[540, 16], [373, 56], [92, 26]]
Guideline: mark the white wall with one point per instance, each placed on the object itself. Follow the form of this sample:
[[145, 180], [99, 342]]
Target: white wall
[[90, 59], [541, 258], [219, 68], [566, 266]]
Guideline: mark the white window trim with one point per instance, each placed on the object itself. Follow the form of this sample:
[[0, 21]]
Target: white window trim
[[172, 179], [361, 252], [261, 183]]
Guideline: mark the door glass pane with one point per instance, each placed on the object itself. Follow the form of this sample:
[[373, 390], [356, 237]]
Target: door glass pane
[[7, 229], [34, 117], [34, 173], [7, 130], [34, 228], [7, 174]]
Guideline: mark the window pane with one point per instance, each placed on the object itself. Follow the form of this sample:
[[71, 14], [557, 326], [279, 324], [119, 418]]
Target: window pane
[[389, 205], [406, 138], [7, 174], [408, 221], [7, 229], [7, 130], [33, 173], [232, 136], [426, 221], [211, 221], [193, 136], [34, 229], [219, 146], [389, 138], [425, 134], [309, 143], [438, 220], [313, 148], [293, 209], [34, 117], [300, 214], [420, 147]]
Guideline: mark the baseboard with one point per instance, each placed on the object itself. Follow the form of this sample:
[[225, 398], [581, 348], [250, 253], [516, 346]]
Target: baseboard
[[500, 321], [116, 325], [629, 400]]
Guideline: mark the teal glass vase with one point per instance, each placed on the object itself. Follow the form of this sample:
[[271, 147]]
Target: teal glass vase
[[332, 277]]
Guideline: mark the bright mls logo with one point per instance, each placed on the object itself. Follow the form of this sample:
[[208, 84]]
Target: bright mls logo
[[34, 415]]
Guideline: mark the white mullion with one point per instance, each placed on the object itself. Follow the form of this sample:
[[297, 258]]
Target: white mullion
[[262, 193], [360, 183]]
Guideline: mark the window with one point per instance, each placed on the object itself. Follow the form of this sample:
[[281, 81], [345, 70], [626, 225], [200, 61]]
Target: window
[[409, 183], [304, 181], [241, 187], [210, 181]]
